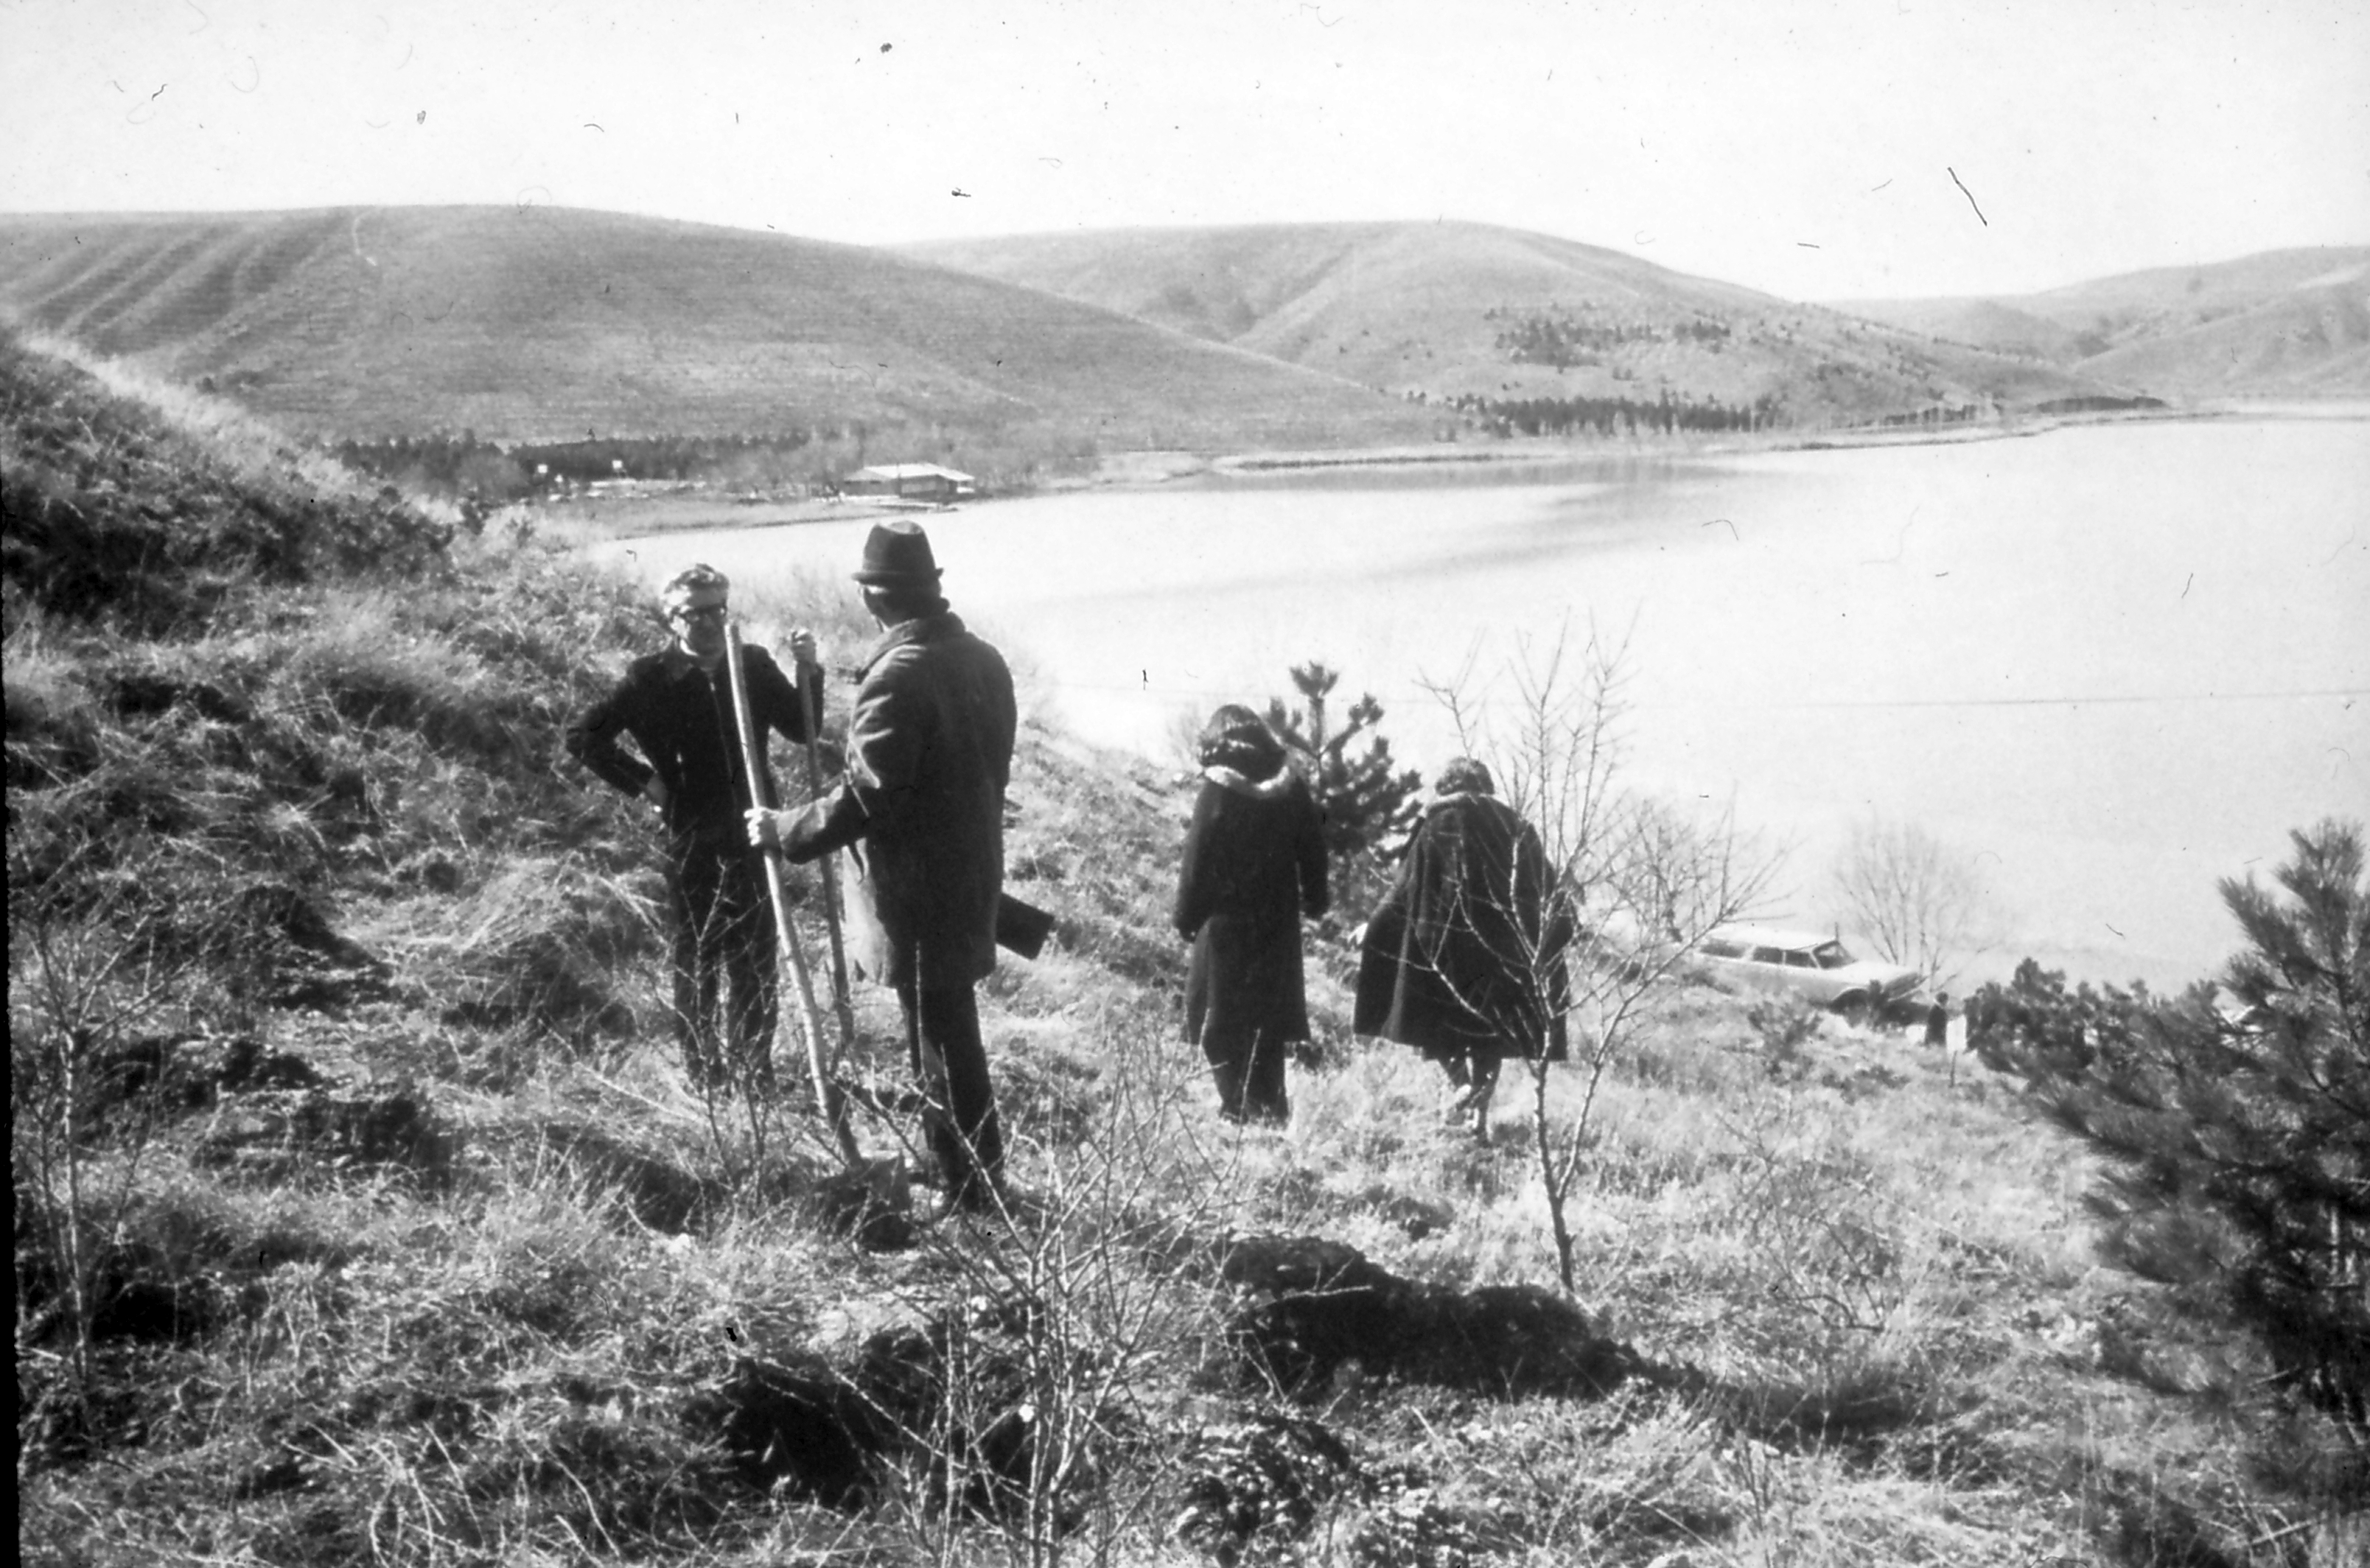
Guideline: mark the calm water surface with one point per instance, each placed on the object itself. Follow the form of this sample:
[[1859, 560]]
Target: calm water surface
[[2112, 663]]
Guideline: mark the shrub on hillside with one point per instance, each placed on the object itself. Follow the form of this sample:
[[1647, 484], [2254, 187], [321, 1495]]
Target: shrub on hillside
[[2236, 1125], [1368, 804], [110, 510]]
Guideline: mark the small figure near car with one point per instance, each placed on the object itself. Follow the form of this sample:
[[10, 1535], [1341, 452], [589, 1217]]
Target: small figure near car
[[676, 706], [1938, 1022], [1254, 864], [1464, 960]]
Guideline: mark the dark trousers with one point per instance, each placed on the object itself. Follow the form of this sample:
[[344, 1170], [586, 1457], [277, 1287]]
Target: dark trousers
[[723, 959], [1476, 1070], [1248, 1066], [959, 1101]]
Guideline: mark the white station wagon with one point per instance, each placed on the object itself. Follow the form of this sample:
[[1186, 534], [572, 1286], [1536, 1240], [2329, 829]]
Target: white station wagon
[[1815, 966]]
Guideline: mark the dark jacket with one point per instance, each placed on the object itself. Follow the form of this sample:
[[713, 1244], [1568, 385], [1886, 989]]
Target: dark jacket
[[682, 721], [1254, 863], [1467, 950], [929, 755]]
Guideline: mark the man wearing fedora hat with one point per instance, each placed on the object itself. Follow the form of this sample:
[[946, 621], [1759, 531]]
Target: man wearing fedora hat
[[677, 706], [929, 754]]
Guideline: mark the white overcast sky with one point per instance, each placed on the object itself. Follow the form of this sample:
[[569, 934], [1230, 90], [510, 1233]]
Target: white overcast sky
[[1817, 149]]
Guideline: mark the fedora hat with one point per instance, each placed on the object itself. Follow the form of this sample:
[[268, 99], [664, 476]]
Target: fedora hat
[[897, 555]]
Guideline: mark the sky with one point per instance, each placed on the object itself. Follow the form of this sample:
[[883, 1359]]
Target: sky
[[1837, 150]]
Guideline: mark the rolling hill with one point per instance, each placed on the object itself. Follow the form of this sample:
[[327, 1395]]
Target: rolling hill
[[1469, 310], [2285, 322], [548, 324]]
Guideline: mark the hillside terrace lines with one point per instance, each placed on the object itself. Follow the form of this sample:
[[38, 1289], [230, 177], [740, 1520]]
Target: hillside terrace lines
[[547, 324], [1420, 309]]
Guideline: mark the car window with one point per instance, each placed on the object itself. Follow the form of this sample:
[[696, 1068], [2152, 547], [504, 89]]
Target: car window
[[1720, 947], [1768, 955], [1798, 959], [1832, 955]]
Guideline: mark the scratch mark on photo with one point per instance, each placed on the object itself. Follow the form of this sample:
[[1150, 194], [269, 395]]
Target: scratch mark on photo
[[1968, 194], [1899, 545]]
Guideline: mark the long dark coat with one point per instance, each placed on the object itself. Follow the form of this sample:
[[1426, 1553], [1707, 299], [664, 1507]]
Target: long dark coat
[[1467, 951], [1254, 863], [929, 756]]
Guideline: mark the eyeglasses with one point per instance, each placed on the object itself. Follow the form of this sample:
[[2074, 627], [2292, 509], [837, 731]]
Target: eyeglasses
[[702, 613]]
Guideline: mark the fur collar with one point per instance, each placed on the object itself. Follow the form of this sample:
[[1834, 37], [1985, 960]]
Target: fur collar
[[1260, 789]]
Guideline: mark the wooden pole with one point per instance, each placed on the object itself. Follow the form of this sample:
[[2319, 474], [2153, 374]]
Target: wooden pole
[[753, 762], [842, 1006]]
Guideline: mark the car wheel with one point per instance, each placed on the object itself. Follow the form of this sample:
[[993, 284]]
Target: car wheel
[[1853, 1008]]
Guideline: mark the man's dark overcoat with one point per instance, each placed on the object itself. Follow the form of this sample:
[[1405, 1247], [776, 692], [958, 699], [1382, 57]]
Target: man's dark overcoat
[[929, 757], [1466, 952], [1254, 863]]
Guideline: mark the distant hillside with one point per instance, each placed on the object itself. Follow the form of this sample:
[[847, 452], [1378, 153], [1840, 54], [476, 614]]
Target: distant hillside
[[548, 324], [2292, 323], [1453, 310]]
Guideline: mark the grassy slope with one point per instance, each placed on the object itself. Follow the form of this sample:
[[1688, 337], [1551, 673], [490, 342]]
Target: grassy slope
[[548, 323], [1404, 307], [476, 1298], [2289, 322]]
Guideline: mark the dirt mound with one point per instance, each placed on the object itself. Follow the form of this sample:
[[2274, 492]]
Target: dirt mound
[[803, 1429], [1312, 1307], [174, 1074], [952, 1391], [270, 1136]]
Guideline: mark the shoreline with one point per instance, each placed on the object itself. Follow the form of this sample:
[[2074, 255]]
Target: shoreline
[[611, 516]]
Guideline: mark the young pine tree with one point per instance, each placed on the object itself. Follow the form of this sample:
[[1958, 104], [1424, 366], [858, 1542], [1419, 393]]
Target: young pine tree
[[2234, 1124], [1366, 803]]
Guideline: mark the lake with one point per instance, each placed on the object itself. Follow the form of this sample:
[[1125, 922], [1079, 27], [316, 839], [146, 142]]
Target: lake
[[2111, 663]]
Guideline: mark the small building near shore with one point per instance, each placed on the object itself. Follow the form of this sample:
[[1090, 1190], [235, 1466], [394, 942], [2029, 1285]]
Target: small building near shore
[[912, 481]]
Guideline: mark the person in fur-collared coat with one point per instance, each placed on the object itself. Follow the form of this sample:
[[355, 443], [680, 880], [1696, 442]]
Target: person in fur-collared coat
[[1254, 864], [1464, 960]]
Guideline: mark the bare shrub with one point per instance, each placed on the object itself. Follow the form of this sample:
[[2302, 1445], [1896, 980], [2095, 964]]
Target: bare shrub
[[1921, 903], [85, 979], [1639, 882], [1070, 1314]]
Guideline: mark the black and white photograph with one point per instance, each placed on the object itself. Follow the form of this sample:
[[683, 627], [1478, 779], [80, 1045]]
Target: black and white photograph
[[1260, 782]]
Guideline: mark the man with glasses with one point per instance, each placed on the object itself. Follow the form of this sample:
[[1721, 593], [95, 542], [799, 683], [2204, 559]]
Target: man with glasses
[[677, 704]]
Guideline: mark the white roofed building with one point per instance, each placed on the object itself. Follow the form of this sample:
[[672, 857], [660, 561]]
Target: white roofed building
[[917, 481]]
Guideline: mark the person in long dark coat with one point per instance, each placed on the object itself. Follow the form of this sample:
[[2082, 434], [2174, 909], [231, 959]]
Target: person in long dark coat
[[1464, 960], [1254, 864], [930, 756]]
